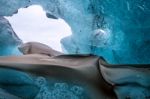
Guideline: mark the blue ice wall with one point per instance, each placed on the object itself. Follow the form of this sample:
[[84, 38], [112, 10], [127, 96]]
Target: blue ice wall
[[120, 32], [127, 24], [8, 39], [116, 30]]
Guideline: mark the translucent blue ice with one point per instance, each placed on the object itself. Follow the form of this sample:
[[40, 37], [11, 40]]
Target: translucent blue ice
[[118, 30], [8, 39]]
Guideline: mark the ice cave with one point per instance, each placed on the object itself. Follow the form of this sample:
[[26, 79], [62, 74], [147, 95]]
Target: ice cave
[[32, 25], [107, 56]]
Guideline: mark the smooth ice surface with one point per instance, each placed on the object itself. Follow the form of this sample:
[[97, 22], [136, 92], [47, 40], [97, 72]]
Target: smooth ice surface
[[128, 81]]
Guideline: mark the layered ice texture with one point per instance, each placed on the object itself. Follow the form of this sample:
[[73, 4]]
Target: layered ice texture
[[118, 30]]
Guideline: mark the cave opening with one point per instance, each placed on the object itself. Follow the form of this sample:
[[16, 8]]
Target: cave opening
[[33, 25]]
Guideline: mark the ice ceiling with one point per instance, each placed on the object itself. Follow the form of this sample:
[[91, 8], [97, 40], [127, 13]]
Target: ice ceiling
[[118, 30], [32, 21]]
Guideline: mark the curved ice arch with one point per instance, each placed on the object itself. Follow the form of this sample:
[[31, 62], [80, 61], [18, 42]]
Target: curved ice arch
[[118, 33], [126, 21]]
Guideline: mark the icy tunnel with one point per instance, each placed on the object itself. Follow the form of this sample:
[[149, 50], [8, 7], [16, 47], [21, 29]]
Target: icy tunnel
[[117, 30], [31, 24]]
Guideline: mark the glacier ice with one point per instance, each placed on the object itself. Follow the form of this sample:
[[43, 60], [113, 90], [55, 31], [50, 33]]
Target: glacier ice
[[42, 87], [118, 30], [8, 39], [11, 79]]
